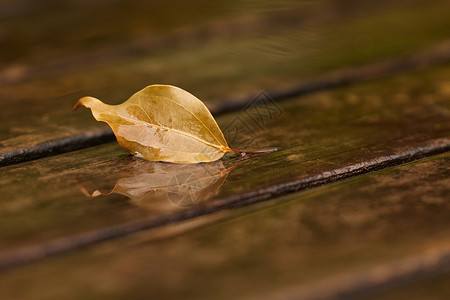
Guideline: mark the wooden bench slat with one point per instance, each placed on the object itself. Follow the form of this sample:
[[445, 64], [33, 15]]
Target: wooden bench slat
[[434, 287], [350, 236]]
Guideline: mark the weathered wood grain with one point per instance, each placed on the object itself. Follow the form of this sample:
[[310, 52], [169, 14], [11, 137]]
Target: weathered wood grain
[[222, 61], [322, 138], [375, 230]]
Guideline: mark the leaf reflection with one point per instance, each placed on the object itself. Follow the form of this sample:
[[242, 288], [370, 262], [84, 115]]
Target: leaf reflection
[[151, 184]]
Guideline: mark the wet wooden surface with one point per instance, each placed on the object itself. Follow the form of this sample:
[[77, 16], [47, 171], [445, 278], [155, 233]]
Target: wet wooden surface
[[333, 240], [365, 87], [220, 54], [435, 287], [322, 138]]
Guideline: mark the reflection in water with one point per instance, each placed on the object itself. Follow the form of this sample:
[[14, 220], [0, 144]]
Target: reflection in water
[[154, 183]]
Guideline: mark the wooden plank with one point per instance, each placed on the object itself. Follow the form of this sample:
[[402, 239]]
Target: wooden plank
[[435, 287], [334, 241], [229, 60], [322, 138]]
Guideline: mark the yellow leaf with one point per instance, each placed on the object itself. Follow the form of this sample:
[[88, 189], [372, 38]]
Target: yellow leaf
[[163, 123]]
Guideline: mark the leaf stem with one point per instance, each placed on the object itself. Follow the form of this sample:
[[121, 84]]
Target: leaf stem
[[253, 151]]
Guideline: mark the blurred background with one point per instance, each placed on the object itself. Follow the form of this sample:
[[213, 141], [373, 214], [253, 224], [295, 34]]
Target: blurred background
[[212, 48]]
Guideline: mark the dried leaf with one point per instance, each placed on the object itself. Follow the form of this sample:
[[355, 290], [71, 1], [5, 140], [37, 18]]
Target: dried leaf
[[164, 123]]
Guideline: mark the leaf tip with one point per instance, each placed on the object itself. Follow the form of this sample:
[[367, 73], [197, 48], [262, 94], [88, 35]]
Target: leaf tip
[[78, 104], [86, 102]]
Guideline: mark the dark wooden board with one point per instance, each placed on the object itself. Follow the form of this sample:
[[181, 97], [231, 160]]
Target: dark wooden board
[[435, 287], [242, 227], [322, 138], [338, 240]]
